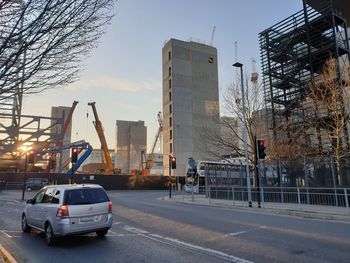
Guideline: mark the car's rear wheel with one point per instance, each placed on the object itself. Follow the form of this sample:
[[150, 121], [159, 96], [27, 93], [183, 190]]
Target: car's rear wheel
[[25, 227], [102, 233], [49, 235]]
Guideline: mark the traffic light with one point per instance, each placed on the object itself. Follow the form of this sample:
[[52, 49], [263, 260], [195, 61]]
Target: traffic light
[[260, 146], [173, 162], [52, 163], [31, 156], [74, 155]]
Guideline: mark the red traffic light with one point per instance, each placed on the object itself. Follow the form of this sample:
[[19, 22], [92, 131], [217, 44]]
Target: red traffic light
[[74, 155], [173, 162], [261, 149]]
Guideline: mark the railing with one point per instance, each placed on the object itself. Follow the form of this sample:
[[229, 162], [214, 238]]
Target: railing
[[277, 196]]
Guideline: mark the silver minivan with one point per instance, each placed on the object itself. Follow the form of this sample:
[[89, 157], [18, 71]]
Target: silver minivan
[[61, 210]]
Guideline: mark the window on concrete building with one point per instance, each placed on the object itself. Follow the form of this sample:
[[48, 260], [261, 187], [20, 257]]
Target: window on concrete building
[[170, 121], [170, 109], [169, 71], [171, 134], [169, 83], [211, 60], [169, 55], [171, 148], [169, 96]]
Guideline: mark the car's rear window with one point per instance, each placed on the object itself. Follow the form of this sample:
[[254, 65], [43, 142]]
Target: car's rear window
[[85, 196]]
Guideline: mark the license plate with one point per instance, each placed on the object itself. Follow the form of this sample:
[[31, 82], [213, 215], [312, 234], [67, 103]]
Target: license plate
[[88, 219]]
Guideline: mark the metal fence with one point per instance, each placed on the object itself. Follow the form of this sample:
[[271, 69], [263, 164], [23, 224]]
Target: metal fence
[[339, 197], [274, 196], [12, 185]]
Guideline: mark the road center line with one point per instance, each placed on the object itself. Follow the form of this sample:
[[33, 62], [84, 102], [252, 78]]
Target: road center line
[[236, 233]]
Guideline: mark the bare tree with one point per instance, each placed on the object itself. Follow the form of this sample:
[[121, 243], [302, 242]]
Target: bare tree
[[323, 131], [43, 42], [328, 97], [228, 140]]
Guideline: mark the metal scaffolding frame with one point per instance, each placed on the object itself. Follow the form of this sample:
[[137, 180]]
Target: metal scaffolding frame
[[293, 53]]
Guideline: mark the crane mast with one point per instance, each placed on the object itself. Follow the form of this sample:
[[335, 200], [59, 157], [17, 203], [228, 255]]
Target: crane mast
[[101, 136], [59, 142], [159, 133]]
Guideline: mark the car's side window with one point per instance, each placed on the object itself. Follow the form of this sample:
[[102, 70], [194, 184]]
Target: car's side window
[[39, 196], [48, 196], [56, 197]]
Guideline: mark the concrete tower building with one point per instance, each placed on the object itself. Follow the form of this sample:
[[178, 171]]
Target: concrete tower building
[[190, 100], [131, 140]]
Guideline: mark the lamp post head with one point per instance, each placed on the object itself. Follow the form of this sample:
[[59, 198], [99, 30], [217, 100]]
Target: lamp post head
[[238, 65]]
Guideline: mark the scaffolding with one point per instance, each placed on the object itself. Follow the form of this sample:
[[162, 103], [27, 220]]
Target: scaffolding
[[293, 53]]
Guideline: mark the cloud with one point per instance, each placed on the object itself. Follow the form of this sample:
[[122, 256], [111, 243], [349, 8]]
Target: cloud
[[108, 82], [150, 84]]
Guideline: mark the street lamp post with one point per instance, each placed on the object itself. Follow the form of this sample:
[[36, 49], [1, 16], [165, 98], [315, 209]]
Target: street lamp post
[[245, 134], [25, 175]]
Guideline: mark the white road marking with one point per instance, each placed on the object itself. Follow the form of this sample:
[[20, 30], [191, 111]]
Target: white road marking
[[236, 233], [3, 231], [117, 223], [114, 234], [244, 232], [135, 230], [185, 245]]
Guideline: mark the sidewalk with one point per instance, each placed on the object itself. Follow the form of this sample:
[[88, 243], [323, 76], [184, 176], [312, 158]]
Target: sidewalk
[[5, 256], [306, 211]]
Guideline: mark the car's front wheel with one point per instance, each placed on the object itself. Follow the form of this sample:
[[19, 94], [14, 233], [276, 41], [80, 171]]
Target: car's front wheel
[[25, 227], [102, 233], [49, 235]]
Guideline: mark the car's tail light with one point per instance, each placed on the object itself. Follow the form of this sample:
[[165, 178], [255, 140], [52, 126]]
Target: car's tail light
[[110, 205], [62, 212]]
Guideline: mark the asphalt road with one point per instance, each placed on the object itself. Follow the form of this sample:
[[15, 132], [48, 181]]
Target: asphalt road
[[148, 228]]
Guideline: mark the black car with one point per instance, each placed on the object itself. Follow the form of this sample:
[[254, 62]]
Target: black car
[[36, 183]]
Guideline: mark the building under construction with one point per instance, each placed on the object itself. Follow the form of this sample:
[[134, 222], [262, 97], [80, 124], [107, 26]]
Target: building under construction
[[293, 53]]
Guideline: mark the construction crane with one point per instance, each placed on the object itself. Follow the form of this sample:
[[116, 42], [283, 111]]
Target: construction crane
[[158, 138], [68, 119], [159, 133], [212, 36], [101, 136], [59, 141]]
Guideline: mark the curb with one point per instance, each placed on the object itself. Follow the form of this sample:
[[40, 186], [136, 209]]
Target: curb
[[6, 255], [290, 211]]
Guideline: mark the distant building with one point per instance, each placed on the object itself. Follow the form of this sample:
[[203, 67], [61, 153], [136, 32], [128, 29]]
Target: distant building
[[131, 141], [96, 161], [190, 100]]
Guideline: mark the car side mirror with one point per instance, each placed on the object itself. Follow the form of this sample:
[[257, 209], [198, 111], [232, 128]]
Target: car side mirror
[[31, 201]]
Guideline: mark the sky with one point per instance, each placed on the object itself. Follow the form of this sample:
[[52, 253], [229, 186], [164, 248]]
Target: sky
[[123, 75]]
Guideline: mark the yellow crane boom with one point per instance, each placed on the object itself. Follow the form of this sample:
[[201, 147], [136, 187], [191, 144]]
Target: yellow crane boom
[[101, 136]]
